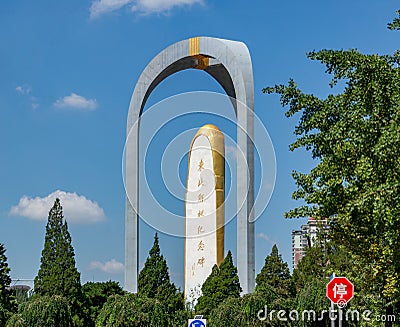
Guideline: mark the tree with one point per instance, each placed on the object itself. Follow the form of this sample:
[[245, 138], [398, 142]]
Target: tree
[[275, 286], [211, 296], [355, 138], [228, 313], [133, 310], [7, 301], [316, 262], [395, 25], [248, 311], [94, 297], [15, 321], [48, 311], [221, 284], [312, 297], [154, 282], [229, 275], [57, 274], [311, 267], [275, 273]]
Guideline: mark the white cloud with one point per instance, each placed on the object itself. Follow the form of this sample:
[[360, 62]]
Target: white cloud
[[100, 7], [111, 267], [23, 89], [75, 101], [76, 208], [264, 237], [159, 6]]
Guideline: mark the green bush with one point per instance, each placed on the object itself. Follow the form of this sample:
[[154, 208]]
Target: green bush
[[4, 315], [16, 320], [45, 311], [132, 310]]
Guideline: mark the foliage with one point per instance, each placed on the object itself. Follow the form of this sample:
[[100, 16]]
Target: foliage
[[275, 273], [238, 311], [48, 311], [211, 295], [94, 297], [154, 281], [229, 277], [312, 274], [4, 315], [274, 291], [257, 307], [251, 310], [311, 266], [312, 297], [5, 279], [355, 137], [16, 321], [321, 260], [7, 301], [222, 284], [131, 310], [395, 25], [57, 274], [227, 313]]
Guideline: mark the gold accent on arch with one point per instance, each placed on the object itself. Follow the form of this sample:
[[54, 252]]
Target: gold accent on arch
[[194, 51], [203, 62], [194, 46]]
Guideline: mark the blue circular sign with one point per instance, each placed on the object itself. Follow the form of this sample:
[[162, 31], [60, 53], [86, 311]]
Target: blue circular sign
[[197, 323]]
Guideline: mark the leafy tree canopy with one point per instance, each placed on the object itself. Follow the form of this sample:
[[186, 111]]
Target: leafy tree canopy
[[49, 311], [227, 313], [94, 297], [245, 311], [16, 320], [134, 310], [321, 260], [355, 137], [395, 25]]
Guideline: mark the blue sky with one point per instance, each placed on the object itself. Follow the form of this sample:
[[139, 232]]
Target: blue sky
[[67, 72]]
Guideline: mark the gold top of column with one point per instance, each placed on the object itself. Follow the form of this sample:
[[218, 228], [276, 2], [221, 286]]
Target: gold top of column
[[216, 138]]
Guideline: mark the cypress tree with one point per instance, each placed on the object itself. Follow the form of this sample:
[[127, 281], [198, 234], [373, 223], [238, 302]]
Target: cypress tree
[[275, 274], [154, 281], [57, 274], [229, 278], [221, 284], [154, 273], [7, 302]]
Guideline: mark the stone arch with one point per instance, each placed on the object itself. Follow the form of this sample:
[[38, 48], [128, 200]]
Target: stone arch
[[229, 63]]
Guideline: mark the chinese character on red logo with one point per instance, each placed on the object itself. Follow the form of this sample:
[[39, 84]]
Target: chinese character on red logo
[[340, 291]]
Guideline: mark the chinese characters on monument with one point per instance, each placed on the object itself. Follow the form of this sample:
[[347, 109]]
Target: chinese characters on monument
[[204, 214]]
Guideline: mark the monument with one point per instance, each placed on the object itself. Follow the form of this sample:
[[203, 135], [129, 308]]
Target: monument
[[204, 209], [229, 63]]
